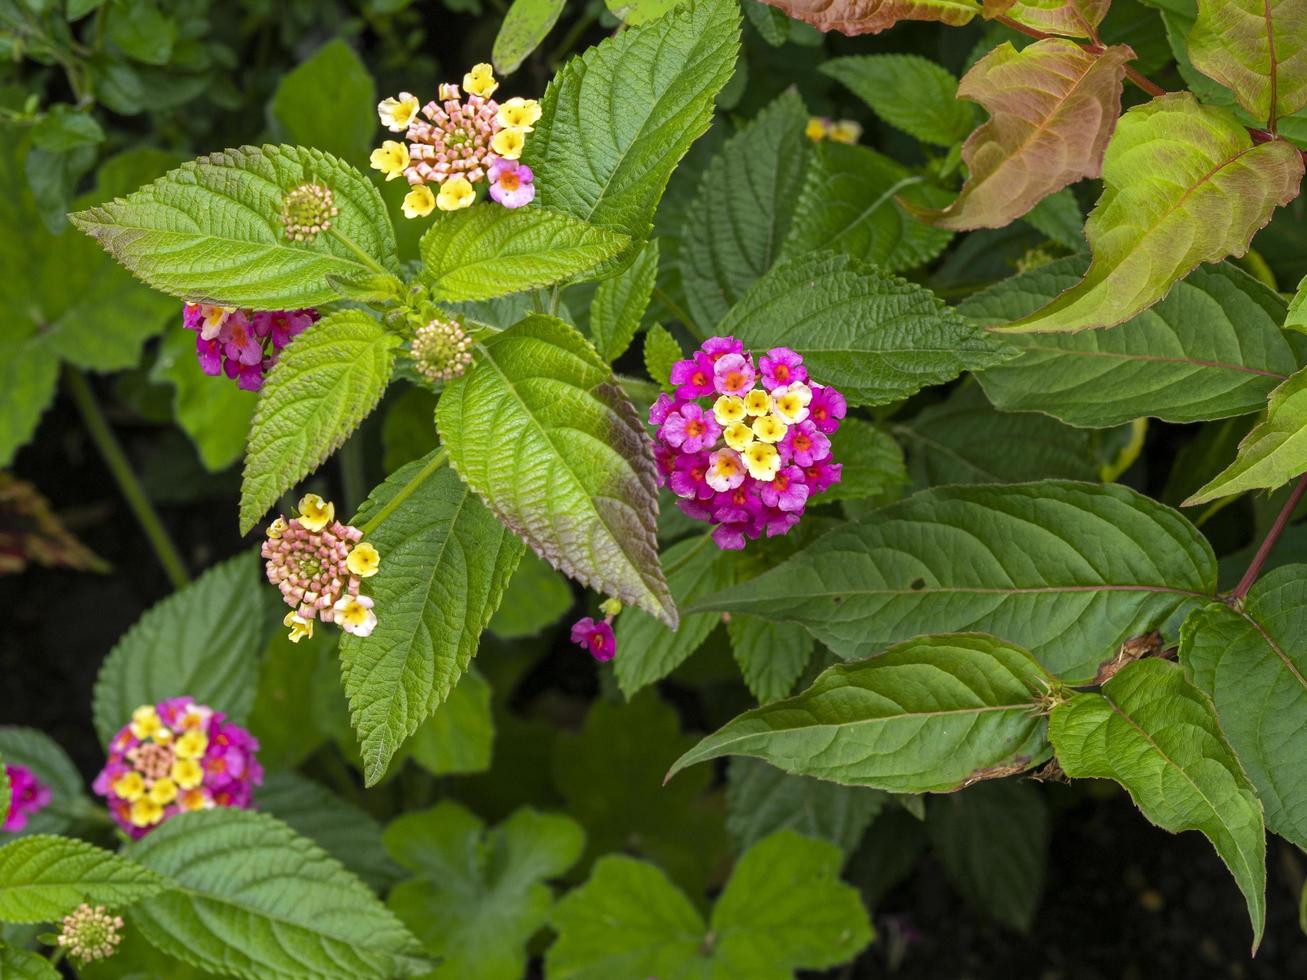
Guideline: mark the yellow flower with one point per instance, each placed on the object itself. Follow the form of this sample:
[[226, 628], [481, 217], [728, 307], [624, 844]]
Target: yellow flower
[[191, 745], [214, 318], [738, 436], [187, 773], [816, 129], [518, 113], [390, 158], [145, 721], [145, 812], [163, 736], [353, 614], [299, 626], [129, 786], [419, 202], [508, 143], [728, 409], [363, 560], [455, 193], [194, 799], [611, 606], [277, 528], [791, 402], [757, 402], [315, 513], [480, 81], [846, 131], [769, 428], [763, 461], [396, 114], [164, 791]]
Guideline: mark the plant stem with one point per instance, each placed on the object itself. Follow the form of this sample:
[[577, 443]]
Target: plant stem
[[367, 259], [1149, 86], [436, 461], [111, 451], [1273, 535], [352, 477]]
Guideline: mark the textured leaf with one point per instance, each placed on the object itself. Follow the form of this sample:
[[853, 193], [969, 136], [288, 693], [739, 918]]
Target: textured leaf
[[1212, 349], [282, 715], [1069, 18], [1157, 735], [873, 336], [850, 203], [771, 655], [260, 902], [1257, 49], [29, 374], [43, 878], [202, 641], [619, 117], [537, 596], [1297, 315], [1184, 184], [909, 92], [460, 736], [39, 753], [1052, 108], [22, 965], [210, 230], [444, 567], [480, 253], [928, 715], [1059, 217], [479, 895], [872, 462], [771, 24], [760, 799], [1069, 571], [620, 303], [525, 26], [743, 209], [1252, 663], [539, 429], [661, 352], [854, 17], [328, 102], [323, 385]]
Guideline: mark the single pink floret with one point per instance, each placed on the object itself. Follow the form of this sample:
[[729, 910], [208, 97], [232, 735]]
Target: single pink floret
[[805, 445], [826, 408], [733, 374], [595, 638], [780, 366], [788, 491], [717, 347], [693, 378], [689, 477], [511, 183], [28, 795], [691, 429]]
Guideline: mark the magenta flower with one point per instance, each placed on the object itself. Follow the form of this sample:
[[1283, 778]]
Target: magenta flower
[[693, 378], [733, 374], [689, 477], [28, 795], [242, 344], [663, 406], [804, 444], [739, 505], [788, 491], [238, 340], [209, 353], [822, 476], [282, 325], [730, 537], [717, 347], [665, 458], [826, 408], [780, 366], [511, 183], [595, 638], [690, 429], [779, 522]]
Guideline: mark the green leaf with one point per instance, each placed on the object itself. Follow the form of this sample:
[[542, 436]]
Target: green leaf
[[210, 231], [29, 373], [141, 31], [1211, 349], [212, 411], [851, 202], [621, 301], [909, 92], [537, 597], [460, 736], [44, 878], [525, 27], [1158, 736], [1071, 18], [619, 117], [873, 16], [761, 799], [479, 895], [255, 900], [39, 753], [634, 12], [929, 715], [772, 25], [1251, 661], [771, 655], [1097, 565], [22, 965], [328, 102], [1183, 184], [1059, 217], [539, 429], [1259, 50], [661, 352], [201, 642], [480, 253], [783, 909], [282, 715], [875, 337], [743, 209], [872, 462], [445, 562], [992, 840], [1272, 453], [324, 384]]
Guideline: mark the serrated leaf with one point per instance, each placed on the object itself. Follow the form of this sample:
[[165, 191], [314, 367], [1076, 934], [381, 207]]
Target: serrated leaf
[[202, 641], [212, 411], [445, 562], [909, 92], [22, 965], [44, 878], [1052, 108], [540, 430], [850, 203], [620, 303], [875, 337], [619, 117], [872, 462], [210, 230], [1211, 349], [479, 895], [255, 900], [524, 28], [1097, 565], [772, 25], [1183, 184], [854, 17], [661, 352], [1069, 18], [1158, 736], [928, 715], [1256, 49], [743, 209], [328, 102], [481, 253], [771, 655], [761, 799], [323, 385]]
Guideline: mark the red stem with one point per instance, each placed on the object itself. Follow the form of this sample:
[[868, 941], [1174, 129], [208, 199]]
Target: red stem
[[1273, 535]]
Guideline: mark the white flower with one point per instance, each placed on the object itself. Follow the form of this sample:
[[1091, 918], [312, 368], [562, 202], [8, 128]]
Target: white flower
[[353, 614], [396, 114]]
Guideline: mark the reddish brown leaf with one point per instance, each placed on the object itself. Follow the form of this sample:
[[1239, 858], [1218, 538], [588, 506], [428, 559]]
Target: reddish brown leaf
[[873, 16], [1069, 18], [31, 532]]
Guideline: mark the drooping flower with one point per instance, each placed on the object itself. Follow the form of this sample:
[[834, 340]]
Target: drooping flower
[[397, 113], [511, 184], [596, 638], [243, 344], [88, 934], [455, 194], [441, 351], [419, 202], [173, 757], [306, 212], [391, 158], [519, 113], [481, 80], [27, 796], [315, 513]]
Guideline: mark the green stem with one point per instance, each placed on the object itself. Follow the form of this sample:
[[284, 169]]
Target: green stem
[[367, 259], [57, 956], [114, 458], [675, 309], [352, 477], [436, 461]]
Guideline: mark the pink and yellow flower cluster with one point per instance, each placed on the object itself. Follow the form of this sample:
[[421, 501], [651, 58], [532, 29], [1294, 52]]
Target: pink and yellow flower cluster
[[243, 344], [745, 445], [27, 795], [175, 757], [458, 140]]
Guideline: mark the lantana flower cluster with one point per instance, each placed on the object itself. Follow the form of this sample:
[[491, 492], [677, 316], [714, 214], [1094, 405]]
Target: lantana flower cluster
[[89, 934], [745, 445], [175, 757], [456, 141], [836, 130], [318, 563], [27, 796], [243, 344]]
